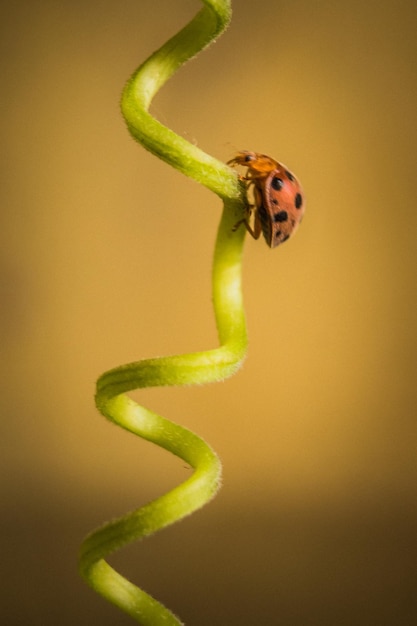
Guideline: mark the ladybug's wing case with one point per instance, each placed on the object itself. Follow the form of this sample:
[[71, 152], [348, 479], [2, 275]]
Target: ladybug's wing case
[[281, 194]]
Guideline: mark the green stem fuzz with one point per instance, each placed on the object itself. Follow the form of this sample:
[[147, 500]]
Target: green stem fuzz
[[187, 369]]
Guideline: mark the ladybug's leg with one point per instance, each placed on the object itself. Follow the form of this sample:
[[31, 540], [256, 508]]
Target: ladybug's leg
[[245, 219], [236, 226], [252, 208], [249, 207], [257, 228]]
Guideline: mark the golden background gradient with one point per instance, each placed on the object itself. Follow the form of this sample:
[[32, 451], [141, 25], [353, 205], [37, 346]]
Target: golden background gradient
[[105, 259]]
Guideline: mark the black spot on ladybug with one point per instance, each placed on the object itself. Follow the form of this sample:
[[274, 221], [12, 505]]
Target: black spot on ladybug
[[282, 216], [274, 201], [277, 183], [278, 234], [298, 201], [285, 238], [289, 176]]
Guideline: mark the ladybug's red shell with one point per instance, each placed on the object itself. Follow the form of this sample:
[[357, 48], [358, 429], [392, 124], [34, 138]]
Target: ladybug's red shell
[[279, 200]]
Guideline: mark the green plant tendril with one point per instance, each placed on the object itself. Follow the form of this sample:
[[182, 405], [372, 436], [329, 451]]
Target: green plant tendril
[[188, 369]]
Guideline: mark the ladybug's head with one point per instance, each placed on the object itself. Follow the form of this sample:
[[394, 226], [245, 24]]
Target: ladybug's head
[[254, 161]]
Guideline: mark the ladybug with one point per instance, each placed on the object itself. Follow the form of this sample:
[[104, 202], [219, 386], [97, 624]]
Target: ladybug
[[278, 196]]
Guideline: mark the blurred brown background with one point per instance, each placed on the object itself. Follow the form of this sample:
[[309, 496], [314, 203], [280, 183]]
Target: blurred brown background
[[105, 258]]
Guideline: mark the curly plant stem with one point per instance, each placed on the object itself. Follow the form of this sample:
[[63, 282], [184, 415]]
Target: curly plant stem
[[196, 368]]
